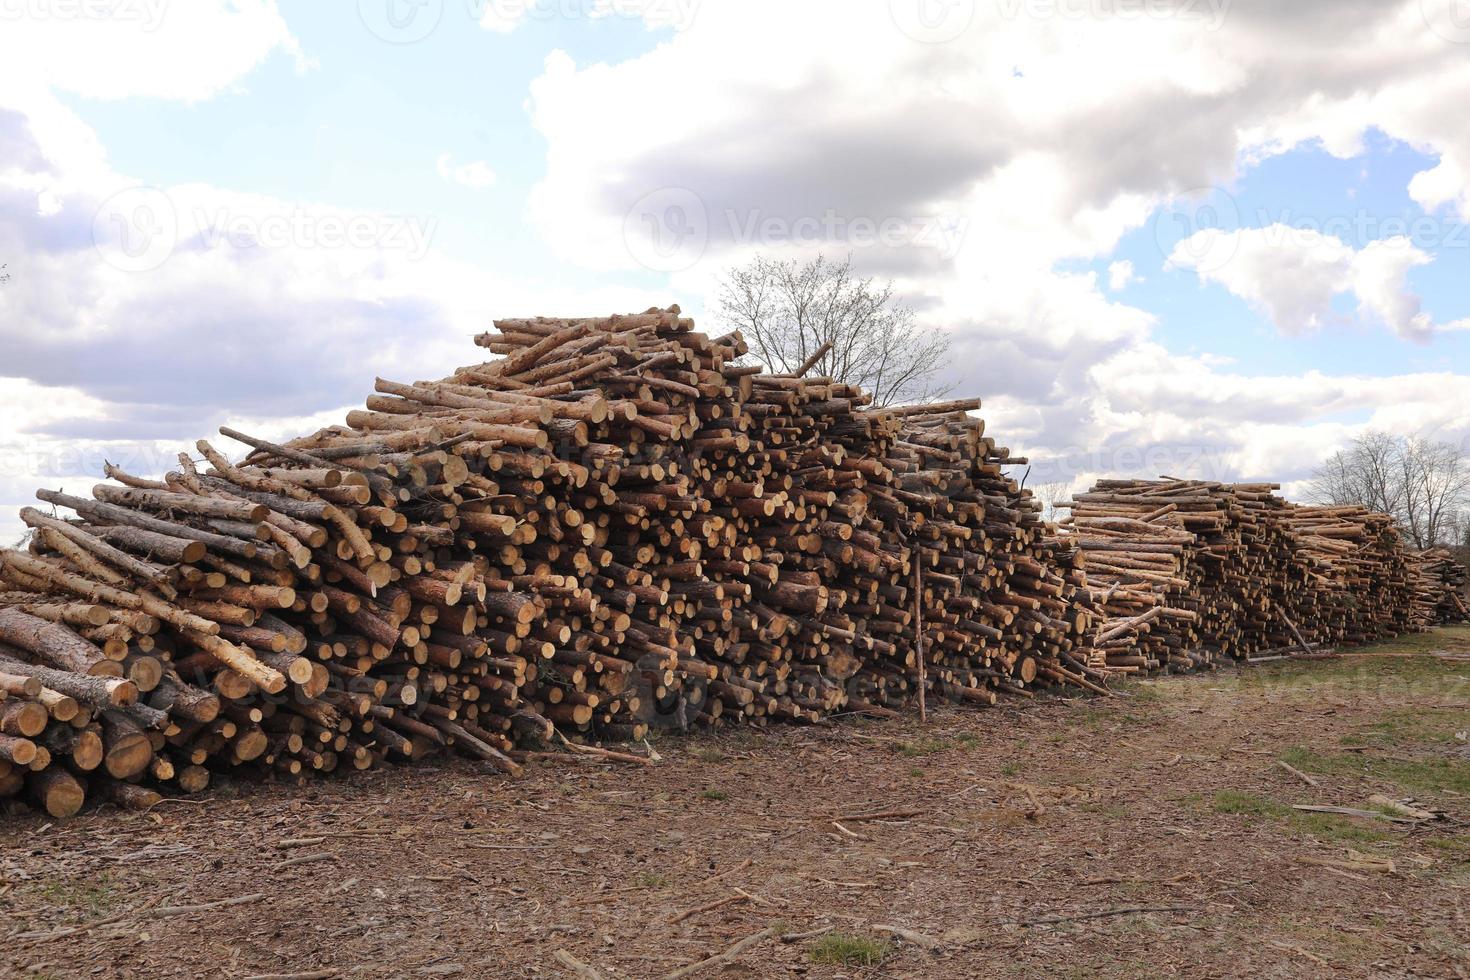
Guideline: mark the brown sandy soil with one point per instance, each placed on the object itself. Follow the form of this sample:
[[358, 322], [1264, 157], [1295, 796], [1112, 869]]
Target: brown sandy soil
[[1167, 797]]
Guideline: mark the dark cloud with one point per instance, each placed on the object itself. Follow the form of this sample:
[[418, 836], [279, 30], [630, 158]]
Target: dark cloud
[[147, 422], [1328, 21], [817, 155], [224, 345]]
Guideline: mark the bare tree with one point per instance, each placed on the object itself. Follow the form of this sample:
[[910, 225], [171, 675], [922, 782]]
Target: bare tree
[[1366, 473], [1425, 485], [1049, 495], [789, 310]]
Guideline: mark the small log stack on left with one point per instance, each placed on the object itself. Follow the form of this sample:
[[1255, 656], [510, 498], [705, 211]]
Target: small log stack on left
[[144, 638]]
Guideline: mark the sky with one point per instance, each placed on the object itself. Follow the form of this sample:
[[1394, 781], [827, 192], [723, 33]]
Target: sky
[[1205, 238]]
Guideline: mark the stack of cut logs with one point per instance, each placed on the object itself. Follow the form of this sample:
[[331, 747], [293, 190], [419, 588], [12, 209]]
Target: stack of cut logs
[[1439, 588], [1188, 573], [1139, 555], [1361, 574], [611, 525]]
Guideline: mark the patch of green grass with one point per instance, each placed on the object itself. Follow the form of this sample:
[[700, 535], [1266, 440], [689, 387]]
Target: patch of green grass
[[1321, 825], [1413, 725], [916, 772], [1457, 847], [1116, 811], [715, 794], [934, 744], [1011, 768], [1141, 692], [648, 879], [1427, 775], [1403, 664], [923, 747], [1328, 827], [94, 896], [709, 755], [1252, 804], [846, 949]]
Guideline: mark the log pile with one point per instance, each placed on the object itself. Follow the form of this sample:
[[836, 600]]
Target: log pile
[[612, 525], [1139, 558], [1190, 573], [1362, 581], [1440, 588]]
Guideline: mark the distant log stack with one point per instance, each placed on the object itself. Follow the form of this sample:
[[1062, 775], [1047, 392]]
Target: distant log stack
[[1361, 574], [1191, 573], [1439, 588]]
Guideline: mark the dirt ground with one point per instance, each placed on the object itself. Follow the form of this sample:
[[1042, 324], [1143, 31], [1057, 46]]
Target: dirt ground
[[1008, 828]]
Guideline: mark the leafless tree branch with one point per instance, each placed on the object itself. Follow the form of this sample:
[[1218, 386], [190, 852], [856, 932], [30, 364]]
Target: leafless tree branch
[[788, 310], [1425, 485]]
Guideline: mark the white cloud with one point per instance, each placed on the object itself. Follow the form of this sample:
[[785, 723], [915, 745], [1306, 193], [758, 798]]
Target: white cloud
[[113, 49], [1293, 274], [476, 174], [1077, 129], [1380, 280], [1121, 275], [504, 16], [1288, 274]]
